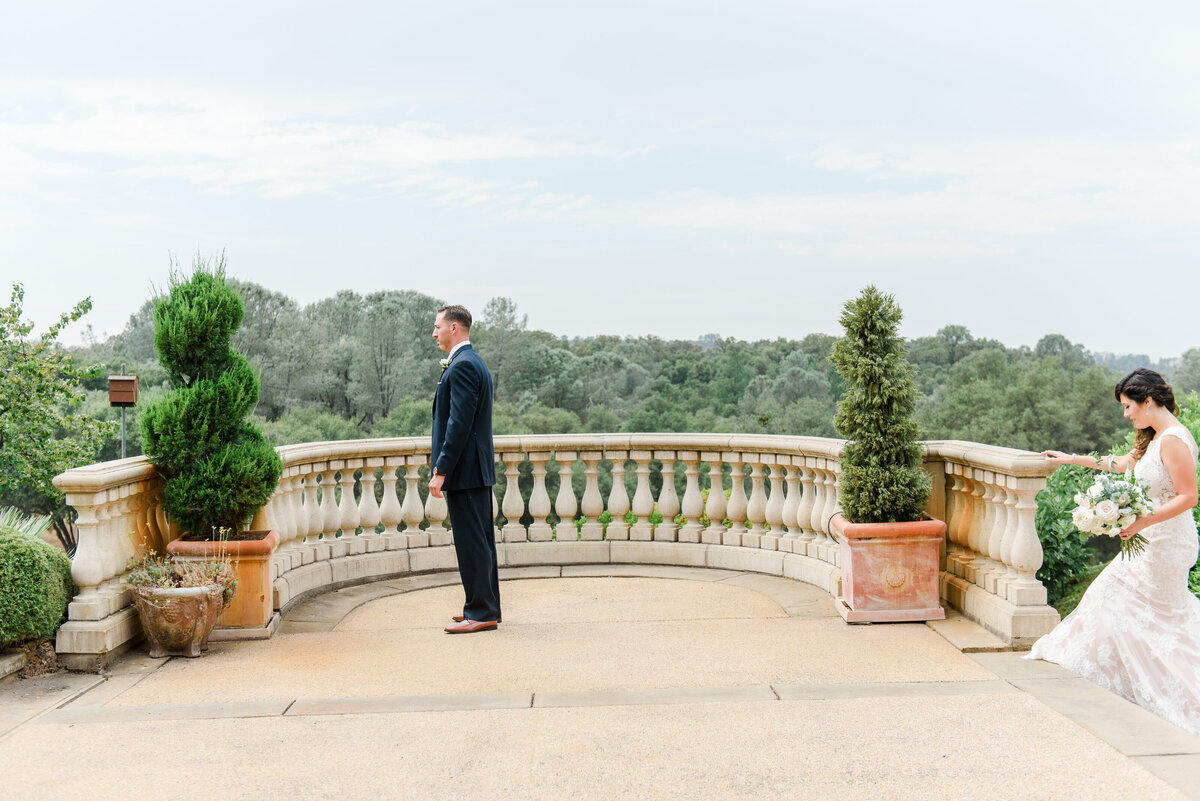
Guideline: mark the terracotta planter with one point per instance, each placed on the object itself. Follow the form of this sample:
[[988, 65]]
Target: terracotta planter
[[178, 620], [890, 570], [251, 607]]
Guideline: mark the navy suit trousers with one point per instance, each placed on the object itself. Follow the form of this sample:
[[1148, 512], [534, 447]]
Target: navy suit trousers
[[475, 546]]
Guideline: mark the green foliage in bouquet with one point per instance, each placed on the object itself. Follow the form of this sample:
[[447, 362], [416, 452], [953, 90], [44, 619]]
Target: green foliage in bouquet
[[882, 480], [217, 466]]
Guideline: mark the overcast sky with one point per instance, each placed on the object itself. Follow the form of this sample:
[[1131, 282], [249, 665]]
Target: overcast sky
[[630, 168]]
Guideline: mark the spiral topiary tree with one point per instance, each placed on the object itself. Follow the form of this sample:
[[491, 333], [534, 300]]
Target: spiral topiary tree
[[217, 467], [882, 480]]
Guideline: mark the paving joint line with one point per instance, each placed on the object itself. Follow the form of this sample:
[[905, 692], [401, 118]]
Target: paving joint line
[[652, 696]]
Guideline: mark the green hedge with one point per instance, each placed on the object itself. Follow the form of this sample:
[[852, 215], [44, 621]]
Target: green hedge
[[35, 586]]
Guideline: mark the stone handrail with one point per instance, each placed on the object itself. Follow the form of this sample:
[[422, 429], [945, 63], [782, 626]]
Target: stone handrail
[[352, 511]]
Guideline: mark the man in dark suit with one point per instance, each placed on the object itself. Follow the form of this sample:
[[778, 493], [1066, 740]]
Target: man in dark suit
[[464, 467]]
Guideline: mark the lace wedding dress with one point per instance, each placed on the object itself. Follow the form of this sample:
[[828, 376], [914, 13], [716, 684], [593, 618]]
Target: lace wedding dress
[[1137, 630]]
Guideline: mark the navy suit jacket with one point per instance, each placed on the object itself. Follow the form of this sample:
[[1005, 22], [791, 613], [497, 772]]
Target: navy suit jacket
[[462, 423]]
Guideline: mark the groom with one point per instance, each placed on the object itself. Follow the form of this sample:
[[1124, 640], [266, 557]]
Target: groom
[[464, 467]]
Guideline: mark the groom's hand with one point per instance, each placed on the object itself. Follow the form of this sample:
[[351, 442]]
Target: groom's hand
[[435, 485]]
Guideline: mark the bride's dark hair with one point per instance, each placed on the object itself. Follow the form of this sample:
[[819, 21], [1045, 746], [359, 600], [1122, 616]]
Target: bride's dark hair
[[1139, 385]]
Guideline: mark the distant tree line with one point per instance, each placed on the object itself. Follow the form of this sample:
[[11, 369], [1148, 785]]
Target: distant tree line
[[355, 365]]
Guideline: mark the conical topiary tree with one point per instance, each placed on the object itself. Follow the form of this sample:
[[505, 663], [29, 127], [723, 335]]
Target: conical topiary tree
[[882, 480], [218, 468]]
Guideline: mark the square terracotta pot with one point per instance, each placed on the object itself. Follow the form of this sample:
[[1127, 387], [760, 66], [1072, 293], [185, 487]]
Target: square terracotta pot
[[252, 604], [890, 571]]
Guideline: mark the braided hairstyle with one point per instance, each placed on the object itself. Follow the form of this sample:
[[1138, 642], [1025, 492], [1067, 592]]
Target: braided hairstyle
[[1143, 383]]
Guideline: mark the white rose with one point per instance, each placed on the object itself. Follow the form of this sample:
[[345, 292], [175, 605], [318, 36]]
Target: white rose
[[1082, 518], [1100, 527], [1081, 499], [1107, 511], [1096, 490]]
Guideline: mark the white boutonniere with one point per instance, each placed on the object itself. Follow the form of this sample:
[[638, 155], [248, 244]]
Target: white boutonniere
[[444, 363]]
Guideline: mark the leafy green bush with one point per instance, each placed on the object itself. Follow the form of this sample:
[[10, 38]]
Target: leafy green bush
[[1065, 556], [217, 467], [882, 480], [35, 586]]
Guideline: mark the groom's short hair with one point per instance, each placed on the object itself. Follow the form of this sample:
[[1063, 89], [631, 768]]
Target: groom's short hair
[[456, 314]]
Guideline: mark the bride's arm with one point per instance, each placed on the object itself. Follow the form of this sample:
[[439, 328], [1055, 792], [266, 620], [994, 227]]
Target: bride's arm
[[1117, 464], [1178, 460]]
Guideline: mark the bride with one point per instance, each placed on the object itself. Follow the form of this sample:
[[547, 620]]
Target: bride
[[1137, 630]]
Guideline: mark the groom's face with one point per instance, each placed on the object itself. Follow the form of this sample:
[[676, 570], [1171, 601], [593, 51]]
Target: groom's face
[[443, 332]]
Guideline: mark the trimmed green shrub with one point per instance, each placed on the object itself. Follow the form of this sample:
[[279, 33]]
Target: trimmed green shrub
[[882, 480], [217, 467], [35, 586]]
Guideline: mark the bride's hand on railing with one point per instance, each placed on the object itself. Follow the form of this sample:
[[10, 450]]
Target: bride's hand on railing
[[1058, 457]]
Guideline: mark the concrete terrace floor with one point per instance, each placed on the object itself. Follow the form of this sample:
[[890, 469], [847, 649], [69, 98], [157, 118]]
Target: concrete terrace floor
[[634, 682]]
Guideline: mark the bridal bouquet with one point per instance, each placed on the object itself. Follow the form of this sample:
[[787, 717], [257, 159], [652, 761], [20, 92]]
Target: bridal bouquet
[[1111, 505]]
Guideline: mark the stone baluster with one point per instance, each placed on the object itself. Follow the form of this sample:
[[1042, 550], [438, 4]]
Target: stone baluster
[[954, 546], [976, 526], [295, 504], [109, 553], [331, 517], [984, 566], [142, 536], [436, 512], [87, 565], [593, 504], [643, 500], [564, 502], [966, 519], [994, 535], [313, 518], [124, 540], [166, 527], [827, 546], [774, 509], [668, 499], [1025, 589], [1012, 533], [391, 513], [790, 476], [539, 499], [756, 504], [715, 506], [513, 507], [348, 519], [412, 510], [693, 502], [143, 510], [736, 508], [618, 497], [805, 535], [369, 514], [1005, 527]]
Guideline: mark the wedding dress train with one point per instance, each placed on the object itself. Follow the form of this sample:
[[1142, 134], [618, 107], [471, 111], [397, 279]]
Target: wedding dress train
[[1137, 630]]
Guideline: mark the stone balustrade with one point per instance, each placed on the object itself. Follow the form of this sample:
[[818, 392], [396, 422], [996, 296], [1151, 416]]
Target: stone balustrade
[[357, 511]]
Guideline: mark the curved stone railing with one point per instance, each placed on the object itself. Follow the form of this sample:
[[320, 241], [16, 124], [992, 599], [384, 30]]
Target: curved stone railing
[[355, 511]]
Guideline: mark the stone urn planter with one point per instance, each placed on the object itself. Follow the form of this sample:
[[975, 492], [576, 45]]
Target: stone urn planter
[[178, 620], [251, 611], [890, 571]]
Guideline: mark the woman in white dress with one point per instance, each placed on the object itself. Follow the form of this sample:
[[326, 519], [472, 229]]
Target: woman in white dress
[[1136, 631]]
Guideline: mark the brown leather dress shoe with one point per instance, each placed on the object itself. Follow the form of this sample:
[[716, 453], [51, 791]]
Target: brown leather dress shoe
[[471, 626], [460, 619]]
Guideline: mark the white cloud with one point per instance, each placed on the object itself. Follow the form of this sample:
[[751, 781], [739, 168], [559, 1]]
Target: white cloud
[[228, 143]]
